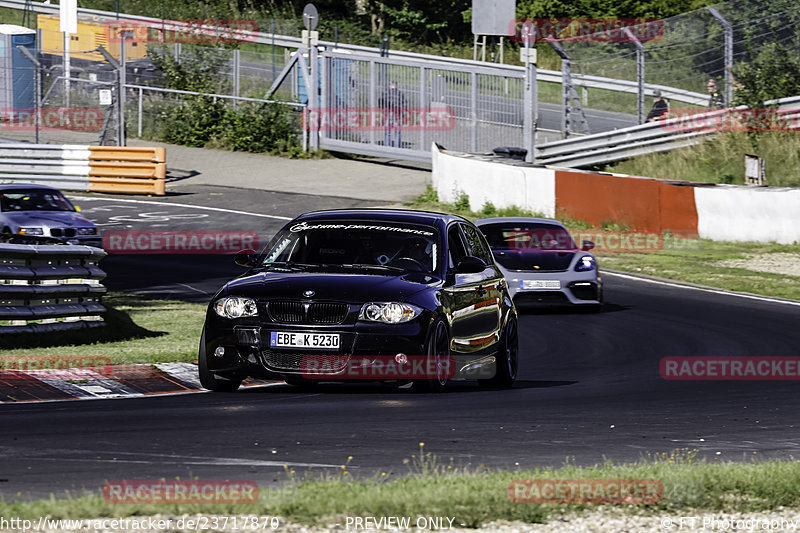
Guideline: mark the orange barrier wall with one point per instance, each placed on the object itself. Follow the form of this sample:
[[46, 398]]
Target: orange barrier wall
[[643, 204]]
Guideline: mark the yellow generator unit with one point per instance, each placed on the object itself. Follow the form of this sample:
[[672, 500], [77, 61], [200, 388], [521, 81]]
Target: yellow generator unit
[[91, 34]]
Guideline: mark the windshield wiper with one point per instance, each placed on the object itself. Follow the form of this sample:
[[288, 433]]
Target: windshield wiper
[[369, 266]]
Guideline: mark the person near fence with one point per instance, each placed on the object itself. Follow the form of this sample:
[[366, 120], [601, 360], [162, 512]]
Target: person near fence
[[393, 103], [715, 100], [660, 107]]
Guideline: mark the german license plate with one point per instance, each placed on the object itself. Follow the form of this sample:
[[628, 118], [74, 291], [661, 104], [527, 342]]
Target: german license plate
[[291, 339], [539, 284]]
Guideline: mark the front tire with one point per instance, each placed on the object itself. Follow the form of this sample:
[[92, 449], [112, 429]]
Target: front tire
[[207, 378], [507, 360], [438, 352]]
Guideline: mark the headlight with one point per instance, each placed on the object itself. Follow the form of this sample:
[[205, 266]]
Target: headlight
[[235, 307], [30, 231], [388, 312], [87, 231], [585, 263]]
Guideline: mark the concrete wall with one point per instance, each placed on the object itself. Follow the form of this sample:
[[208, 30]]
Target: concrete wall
[[718, 212], [503, 185]]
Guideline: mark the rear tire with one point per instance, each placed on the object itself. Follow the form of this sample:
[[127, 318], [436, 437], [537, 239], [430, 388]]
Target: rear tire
[[507, 360], [438, 352], [208, 379]]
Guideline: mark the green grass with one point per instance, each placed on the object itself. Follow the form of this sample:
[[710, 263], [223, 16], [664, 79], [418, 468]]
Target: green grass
[[138, 330], [687, 260], [721, 160], [427, 486]]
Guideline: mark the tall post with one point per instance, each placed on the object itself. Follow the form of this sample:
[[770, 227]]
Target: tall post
[[639, 74], [67, 69], [473, 111], [236, 63], [121, 100], [529, 98], [728, 53]]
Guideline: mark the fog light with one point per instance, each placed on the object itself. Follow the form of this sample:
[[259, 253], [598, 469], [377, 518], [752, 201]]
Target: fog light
[[220, 351], [401, 359]]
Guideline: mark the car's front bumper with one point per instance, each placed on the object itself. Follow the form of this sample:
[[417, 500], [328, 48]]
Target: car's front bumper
[[574, 288]]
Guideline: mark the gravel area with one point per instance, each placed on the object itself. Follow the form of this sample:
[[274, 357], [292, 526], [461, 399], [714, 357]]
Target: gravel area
[[611, 519], [784, 263]]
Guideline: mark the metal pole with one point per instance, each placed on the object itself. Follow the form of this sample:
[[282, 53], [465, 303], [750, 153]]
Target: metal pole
[[422, 105], [313, 91], [121, 96], [273, 50], [372, 95], [473, 111], [529, 97], [140, 113], [639, 73], [66, 69], [236, 63], [728, 51]]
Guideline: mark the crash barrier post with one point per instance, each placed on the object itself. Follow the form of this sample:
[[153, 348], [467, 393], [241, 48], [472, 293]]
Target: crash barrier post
[[114, 169], [49, 287]]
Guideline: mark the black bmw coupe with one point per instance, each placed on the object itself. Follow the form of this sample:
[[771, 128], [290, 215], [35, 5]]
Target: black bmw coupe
[[368, 294]]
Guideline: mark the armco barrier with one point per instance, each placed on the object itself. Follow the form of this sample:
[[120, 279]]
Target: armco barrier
[[717, 212], [50, 287], [115, 169]]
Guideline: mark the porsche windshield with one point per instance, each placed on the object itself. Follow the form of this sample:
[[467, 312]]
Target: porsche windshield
[[33, 200], [357, 244], [540, 237]]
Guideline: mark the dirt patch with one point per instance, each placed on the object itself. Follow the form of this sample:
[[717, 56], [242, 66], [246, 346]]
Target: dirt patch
[[784, 263]]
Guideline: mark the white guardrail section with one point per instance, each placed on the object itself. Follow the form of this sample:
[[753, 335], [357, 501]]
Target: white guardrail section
[[673, 132], [64, 166], [554, 76]]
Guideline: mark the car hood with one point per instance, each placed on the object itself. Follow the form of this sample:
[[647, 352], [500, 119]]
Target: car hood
[[47, 219], [535, 260], [352, 288]]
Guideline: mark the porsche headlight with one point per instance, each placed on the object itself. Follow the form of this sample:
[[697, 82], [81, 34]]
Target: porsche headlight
[[235, 307], [388, 312], [585, 263]]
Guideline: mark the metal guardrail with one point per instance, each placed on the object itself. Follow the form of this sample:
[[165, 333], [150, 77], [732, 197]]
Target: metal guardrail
[[85, 168], [658, 136], [49, 287], [554, 76]]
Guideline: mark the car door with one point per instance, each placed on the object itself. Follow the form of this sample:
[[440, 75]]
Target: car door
[[474, 301]]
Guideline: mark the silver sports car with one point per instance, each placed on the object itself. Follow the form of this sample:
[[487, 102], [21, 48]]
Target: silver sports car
[[39, 211], [541, 262]]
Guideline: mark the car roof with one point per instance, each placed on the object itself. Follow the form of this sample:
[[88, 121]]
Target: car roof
[[394, 215], [25, 186], [518, 220]]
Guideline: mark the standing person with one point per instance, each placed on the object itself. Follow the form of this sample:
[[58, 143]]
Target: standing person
[[660, 107], [715, 100], [393, 103]]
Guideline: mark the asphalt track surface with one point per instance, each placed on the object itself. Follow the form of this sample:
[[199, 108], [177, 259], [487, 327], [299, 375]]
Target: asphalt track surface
[[589, 388]]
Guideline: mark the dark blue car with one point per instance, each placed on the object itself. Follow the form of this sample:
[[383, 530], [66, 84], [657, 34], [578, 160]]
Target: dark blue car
[[369, 294]]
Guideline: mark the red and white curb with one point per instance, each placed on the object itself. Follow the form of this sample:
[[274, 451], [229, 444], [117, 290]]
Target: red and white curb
[[121, 381]]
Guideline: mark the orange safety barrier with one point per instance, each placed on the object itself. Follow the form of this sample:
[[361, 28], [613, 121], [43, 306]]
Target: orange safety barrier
[[123, 169]]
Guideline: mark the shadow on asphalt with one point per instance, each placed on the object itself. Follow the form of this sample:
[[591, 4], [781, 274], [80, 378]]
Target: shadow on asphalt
[[377, 388]]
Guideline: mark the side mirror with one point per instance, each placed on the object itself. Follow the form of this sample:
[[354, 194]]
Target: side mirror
[[470, 265], [587, 245], [246, 258]]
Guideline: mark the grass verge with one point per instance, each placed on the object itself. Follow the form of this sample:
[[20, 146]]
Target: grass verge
[[699, 261], [472, 496], [133, 324], [721, 160]]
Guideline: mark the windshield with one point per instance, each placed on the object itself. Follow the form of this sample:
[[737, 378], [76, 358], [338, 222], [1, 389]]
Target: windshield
[[534, 237], [34, 200], [357, 244]]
